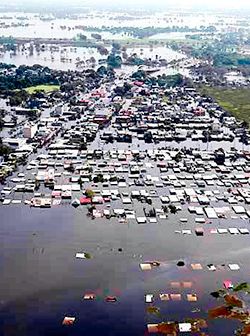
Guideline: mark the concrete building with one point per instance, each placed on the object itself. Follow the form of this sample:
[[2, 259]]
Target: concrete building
[[29, 130]]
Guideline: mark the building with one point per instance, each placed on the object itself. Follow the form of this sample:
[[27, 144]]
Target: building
[[216, 127], [14, 143], [29, 130], [62, 109]]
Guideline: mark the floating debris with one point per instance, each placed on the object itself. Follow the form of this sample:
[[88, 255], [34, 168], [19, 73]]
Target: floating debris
[[244, 286], [153, 310], [218, 294], [185, 327], [68, 320], [196, 267], [234, 267], [149, 298], [83, 255], [89, 296], [145, 267], [164, 297], [228, 284], [111, 299], [192, 297]]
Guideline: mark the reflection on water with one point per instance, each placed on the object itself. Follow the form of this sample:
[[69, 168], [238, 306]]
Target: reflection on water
[[64, 58]]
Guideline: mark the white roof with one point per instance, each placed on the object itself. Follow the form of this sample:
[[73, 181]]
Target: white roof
[[173, 198], [210, 212], [126, 200], [239, 209], [185, 327], [141, 220]]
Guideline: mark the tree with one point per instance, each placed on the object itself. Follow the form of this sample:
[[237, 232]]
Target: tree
[[102, 71], [5, 150], [71, 168], [114, 61], [172, 208], [33, 115], [80, 182], [37, 185], [116, 46], [98, 179], [91, 209], [178, 157], [82, 145], [96, 36], [1, 123], [89, 193], [92, 59], [18, 97], [22, 160], [245, 124], [135, 60], [102, 50], [82, 37], [140, 75]]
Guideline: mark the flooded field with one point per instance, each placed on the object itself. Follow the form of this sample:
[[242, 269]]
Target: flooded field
[[34, 25], [65, 58]]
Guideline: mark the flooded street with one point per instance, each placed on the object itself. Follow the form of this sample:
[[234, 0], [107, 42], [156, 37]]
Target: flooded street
[[38, 247], [37, 258]]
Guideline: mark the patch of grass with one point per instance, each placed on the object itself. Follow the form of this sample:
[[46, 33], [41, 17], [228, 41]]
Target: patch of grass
[[45, 88], [235, 101]]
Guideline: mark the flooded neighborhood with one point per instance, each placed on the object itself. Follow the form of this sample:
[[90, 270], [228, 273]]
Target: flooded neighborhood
[[124, 173]]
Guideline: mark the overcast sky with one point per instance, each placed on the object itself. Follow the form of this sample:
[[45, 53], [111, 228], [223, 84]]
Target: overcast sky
[[227, 4]]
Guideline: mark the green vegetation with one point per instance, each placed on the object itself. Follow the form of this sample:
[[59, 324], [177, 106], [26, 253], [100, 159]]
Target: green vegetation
[[44, 88], [87, 255], [4, 149], [114, 61], [235, 101], [7, 40], [244, 286], [149, 31], [222, 53], [161, 80], [18, 97], [89, 193], [27, 76]]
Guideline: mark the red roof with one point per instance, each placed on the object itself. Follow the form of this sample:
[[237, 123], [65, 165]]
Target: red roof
[[56, 193], [110, 299], [85, 200], [138, 83], [84, 101]]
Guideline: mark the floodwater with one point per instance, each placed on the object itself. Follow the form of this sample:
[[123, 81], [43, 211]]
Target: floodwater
[[63, 59], [42, 282], [42, 28]]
